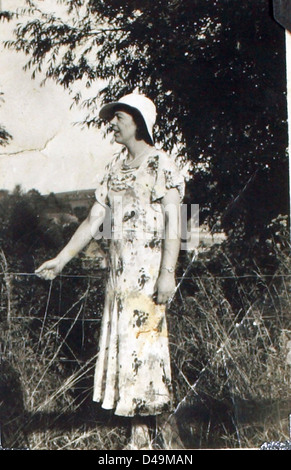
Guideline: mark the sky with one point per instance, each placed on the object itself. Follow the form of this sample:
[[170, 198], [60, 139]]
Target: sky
[[48, 151]]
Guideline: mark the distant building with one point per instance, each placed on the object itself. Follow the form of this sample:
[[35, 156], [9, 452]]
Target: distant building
[[3, 193], [81, 198], [70, 206]]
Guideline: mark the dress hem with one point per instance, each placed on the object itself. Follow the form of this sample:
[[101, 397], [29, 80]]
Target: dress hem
[[166, 408]]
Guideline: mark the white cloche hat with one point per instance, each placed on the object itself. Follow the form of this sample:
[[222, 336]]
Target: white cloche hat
[[136, 101]]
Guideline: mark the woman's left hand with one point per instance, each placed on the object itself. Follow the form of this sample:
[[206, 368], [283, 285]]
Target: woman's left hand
[[165, 287]]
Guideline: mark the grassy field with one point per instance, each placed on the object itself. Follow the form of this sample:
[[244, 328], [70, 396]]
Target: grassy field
[[229, 335]]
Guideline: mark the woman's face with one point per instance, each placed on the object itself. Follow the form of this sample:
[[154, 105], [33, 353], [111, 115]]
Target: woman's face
[[124, 127]]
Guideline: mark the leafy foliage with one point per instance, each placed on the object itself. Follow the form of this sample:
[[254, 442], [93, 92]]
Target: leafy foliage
[[216, 72], [4, 135]]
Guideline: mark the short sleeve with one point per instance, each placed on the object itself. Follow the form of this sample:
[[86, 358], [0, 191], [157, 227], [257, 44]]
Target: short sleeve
[[101, 193], [168, 176], [102, 190]]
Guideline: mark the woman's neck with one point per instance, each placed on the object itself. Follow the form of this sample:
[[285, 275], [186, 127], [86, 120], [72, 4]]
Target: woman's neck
[[137, 149]]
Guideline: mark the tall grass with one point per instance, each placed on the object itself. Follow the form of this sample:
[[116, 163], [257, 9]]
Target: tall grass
[[230, 374], [231, 368]]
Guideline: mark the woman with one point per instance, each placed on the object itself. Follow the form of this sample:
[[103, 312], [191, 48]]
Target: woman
[[141, 191]]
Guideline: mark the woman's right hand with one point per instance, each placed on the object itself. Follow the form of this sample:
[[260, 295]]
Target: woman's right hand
[[50, 269]]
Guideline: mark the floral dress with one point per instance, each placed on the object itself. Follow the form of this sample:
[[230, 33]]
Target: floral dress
[[132, 374]]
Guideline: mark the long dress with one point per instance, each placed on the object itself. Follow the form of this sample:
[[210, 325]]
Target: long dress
[[133, 374]]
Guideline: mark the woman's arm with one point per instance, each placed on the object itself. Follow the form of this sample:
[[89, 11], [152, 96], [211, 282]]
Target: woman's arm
[[84, 233], [171, 245]]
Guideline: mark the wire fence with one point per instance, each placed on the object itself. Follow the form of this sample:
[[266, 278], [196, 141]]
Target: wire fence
[[218, 354]]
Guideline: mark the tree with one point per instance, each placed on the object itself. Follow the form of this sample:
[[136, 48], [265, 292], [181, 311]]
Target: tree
[[216, 71], [4, 135]]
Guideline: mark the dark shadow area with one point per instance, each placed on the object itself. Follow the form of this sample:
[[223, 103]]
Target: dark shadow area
[[204, 422], [19, 426], [12, 411]]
